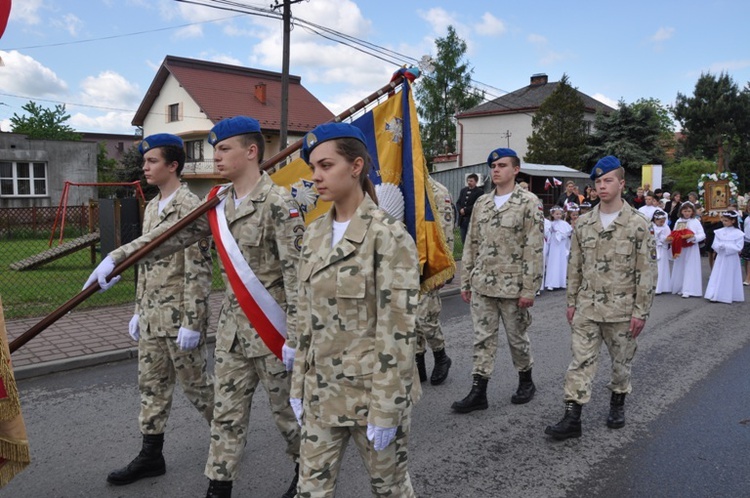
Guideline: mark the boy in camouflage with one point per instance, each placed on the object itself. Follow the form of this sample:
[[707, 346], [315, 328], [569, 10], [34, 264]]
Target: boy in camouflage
[[611, 281], [502, 271], [171, 312], [266, 227], [428, 313]]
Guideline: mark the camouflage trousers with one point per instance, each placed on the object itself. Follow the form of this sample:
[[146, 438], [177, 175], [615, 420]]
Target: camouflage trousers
[[486, 313], [236, 378], [428, 322], [160, 364], [586, 345], [322, 451]]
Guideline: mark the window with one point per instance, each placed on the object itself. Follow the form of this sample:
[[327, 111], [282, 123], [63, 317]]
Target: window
[[173, 112], [23, 179], [194, 150]]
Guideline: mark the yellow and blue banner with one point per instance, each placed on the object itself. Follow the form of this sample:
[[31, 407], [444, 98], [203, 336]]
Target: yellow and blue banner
[[392, 136]]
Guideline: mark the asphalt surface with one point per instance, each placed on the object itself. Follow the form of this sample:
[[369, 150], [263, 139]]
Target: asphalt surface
[[686, 433]]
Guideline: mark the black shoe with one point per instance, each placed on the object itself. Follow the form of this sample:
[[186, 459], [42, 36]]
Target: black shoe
[[421, 368], [148, 463], [616, 418], [219, 489], [441, 368], [292, 491], [526, 389], [476, 399], [570, 425]]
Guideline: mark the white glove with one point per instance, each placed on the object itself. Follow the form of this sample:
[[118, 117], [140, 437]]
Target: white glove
[[297, 409], [133, 328], [287, 357], [188, 339], [101, 273], [381, 436]]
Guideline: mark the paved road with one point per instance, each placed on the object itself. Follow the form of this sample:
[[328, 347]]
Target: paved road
[[686, 435]]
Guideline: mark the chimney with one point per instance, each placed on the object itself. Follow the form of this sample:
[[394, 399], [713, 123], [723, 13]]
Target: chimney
[[260, 92], [538, 79]]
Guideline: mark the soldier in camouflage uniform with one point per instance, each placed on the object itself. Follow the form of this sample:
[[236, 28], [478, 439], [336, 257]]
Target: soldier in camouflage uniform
[[265, 223], [611, 282], [502, 270], [428, 313], [171, 312], [354, 372]]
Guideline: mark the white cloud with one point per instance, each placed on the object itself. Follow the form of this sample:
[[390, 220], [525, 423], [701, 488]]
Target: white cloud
[[109, 89], [606, 100], [490, 26], [26, 11], [193, 31], [222, 58], [25, 76], [111, 122], [69, 22], [728, 66], [536, 39], [5, 124], [439, 19], [662, 34]]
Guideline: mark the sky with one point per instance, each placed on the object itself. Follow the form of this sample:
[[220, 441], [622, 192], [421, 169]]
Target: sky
[[98, 57]]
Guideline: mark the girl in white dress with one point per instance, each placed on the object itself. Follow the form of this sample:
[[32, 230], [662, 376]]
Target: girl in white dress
[[559, 248], [663, 254], [725, 282], [686, 276]]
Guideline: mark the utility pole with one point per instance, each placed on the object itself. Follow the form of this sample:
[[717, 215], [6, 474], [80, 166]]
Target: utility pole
[[507, 135], [287, 21]]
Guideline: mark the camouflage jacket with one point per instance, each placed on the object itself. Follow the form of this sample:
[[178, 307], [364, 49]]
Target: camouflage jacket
[[612, 271], [444, 208], [268, 231], [504, 247], [357, 310], [173, 291]]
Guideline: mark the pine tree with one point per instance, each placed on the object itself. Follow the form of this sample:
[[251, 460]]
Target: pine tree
[[443, 94], [43, 124], [559, 129]]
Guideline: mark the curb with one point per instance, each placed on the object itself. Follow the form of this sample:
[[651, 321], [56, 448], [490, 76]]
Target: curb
[[92, 360]]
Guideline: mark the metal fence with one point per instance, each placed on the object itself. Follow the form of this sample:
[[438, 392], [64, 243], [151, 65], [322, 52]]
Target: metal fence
[[37, 289]]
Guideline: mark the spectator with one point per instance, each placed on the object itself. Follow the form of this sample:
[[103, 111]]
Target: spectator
[[569, 195], [465, 204]]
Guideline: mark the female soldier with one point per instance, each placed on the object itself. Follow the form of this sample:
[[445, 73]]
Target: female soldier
[[354, 371]]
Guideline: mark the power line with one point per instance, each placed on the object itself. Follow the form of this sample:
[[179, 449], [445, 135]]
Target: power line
[[124, 35]]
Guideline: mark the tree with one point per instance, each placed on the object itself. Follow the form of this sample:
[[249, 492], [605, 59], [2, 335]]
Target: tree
[[106, 170], [716, 123], [444, 94], [634, 133], [683, 175], [44, 124], [559, 135]]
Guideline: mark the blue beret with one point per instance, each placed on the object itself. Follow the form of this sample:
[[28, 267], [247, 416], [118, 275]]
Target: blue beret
[[230, 127], [159, 140], [326, 132], [604, 166], [500, 153]]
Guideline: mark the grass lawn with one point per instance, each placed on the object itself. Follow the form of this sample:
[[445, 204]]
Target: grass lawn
[[40, 291]]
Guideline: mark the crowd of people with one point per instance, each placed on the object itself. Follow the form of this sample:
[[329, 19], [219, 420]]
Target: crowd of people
[[330, 319]]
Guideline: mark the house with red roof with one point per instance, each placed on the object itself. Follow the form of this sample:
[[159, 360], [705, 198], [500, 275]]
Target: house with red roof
[[188, 96]]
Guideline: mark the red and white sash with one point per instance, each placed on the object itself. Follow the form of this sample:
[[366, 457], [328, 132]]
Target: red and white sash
[[264, 313]]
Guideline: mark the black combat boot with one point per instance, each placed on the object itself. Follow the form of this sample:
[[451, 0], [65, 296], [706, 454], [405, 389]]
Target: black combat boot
[[570, 425], [148, 463], [440, 370], [219, 489], [292, 491], [476, 399], [421, 368], [526, 388], [616, 419]]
